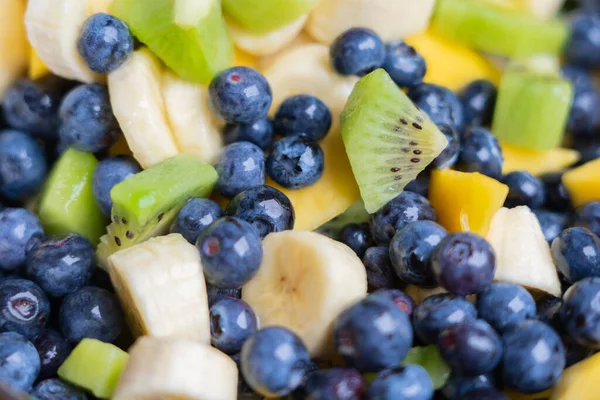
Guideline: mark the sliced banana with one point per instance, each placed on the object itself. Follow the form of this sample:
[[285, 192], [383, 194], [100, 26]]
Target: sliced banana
[[522, 253], [264, 62], [13, 43], [391, 19], [304, 282], [136, 96], [162, 368], [161, 287]]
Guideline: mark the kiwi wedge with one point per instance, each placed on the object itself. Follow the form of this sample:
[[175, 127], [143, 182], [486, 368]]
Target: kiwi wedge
[[262, 16], [146, 204], [388, 140]]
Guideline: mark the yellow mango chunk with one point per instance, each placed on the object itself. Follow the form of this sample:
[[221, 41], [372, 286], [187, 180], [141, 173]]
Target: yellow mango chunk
[[580, 381], [465, 201], [451, 64], [37, 68], [241, 58], [583, 183], [537, 162]]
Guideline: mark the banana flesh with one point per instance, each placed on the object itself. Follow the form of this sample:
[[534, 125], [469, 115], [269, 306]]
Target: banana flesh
[[268, 43], [13, 43]]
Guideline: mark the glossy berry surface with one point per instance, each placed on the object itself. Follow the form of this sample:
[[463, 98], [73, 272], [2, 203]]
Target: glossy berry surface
[[464, 263], [357, 237], [265, 208], [91, 312], [240, 95], [411, 250], [259, 132], [232, 321], [53, 349], [438, 312], [335, 384], [536, 357], [583, 48], [557, 196], [588, 216], [552, 223], [479, 99], [576, 253], [440, 103], [380, 273], [108, 173], [458, 385], [195, 216], [480, 152], [19, 361], [583, 116], [407, 382], [303, 114], [403, 301], [231, 252], [296, 162], [404, 64], [449, 155], [24, 307], [580, 313], [524, 190], [17, 226], [357, 51], [505, 304], [55, 389], [241, 166]]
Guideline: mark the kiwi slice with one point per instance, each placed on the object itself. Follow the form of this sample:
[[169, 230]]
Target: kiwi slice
[[67, 202], [146, 204], [190, 36], [94, 366], [487, 26], [389, 141], [262, 16]]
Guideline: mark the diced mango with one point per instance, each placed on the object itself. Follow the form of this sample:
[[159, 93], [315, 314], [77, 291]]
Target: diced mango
[[583, 183], [465, 201], [244, 59], [37, 68], [580, 381], [537, 162]]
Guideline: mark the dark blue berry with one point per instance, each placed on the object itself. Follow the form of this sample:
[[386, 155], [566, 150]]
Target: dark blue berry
[[380, 273], [24, 307], [91, 312], [194, 217], [584, 118], [265, 208], [215, 294], [505, 304], [296, 162], [404, 64], [588, 216], [583, 46], [87, 121], [580, 313], [406, 382], [240, 95], [357, 237], [403, 301], [241, 166], [232, 321], [449, 155], [55, 389], [440, 103], [17, 226], [484, 394], [479, 99], [231, 252], [53, 349], [259, 132], [19, 361], [107, 174], [552, 223], [576, 253], [480, 152], [524, 190], [420, 184], [335, 384], [588, 148], [459, 385], [438, 312], [357, 51], [303, 114], [557, 196]]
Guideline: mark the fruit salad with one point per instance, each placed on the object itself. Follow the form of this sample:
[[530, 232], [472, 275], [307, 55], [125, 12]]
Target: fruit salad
[[299, 199]]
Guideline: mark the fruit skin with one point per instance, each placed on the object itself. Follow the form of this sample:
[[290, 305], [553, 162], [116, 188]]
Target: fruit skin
[[504, 304], [440, 103], [448, 157], [108, 173], [411, 381], [537, 162], [195, 216], [583, 120], [582, 184], [259, 132], [295, 162], [232, 321], [53, 389], [588, 216], [480, 152], [402, 300], [240, 167], [335, 383], [404, 64], [380, 273], [557, 196], [576, 253], [25, 307], [478, 99], [357, 237], [530, 373], [357, 51], [582, 48], [52, 349], [578, 312], [458, 385], [524, 189], [17, 226], [305, 114], [20, 363], [438, 312]]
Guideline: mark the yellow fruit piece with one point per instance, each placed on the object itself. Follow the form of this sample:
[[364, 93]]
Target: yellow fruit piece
[[583, 183], [537, 162], [465, 201], [13, 42], [37, 68], [244, 59], [580, 381], [120, 148], [451, 64]]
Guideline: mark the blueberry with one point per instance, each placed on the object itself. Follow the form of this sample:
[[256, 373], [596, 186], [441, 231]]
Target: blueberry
[[274, 361], [535, 354], [259, 132], [87, 121], [576, 253], [241, 166], [303, 114], [232, 321], [449, 155], [588, 148], [19, 361], [404, 64], [557, 196], [458, 385], [580, 313], [55, 389], [108, 173], [588, 216], [583, 48], [403, 301], [440, 103], [380, 273], [575, 352], [552, 223], [420, 184], [464, 263], [231, 252], [17, 226], [548, 311], [357, 51], [405, 208], [195, 216], [22, 165], [438, 312], [24, 307], [265, 208], [357, 237], [406, 382], [479, 100], [336, 384], [411, 250], [296, 162], [484, 394], [524, 190], [105, 43], [480, 152], [505, 304], [215, 294], [584, 118], [240, 95], [373, 335], [91, 312], [53, 349]]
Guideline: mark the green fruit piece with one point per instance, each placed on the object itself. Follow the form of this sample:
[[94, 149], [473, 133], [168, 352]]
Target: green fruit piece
[[146, 204], [429, 358], [356, 214], [499, 30], [67, 202], [190, 36], [388, 140], [262, 16], [95, 366]]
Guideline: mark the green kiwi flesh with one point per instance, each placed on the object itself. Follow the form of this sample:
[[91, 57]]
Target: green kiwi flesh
[[262, 16], [388, 140]]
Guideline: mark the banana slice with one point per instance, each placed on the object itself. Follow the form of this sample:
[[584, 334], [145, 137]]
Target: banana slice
[[264, 62], [304, 282], [161, 368], [13, 43], [391, 19], [522, 253], [137, 102], [161, 287]]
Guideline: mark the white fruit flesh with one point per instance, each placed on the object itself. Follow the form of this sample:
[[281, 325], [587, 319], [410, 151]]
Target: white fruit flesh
[[264, 62], [13, 43], [304, 282]]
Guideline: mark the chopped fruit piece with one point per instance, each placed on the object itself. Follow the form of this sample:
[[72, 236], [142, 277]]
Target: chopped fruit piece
[[95, 366], [244, 59], [67, 204], [465, 201], [13, 43], [120, 148], [262, 16], [37, 68], [579, 381], [583, 183], [536, 162], [429, 358], [388, 140]]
